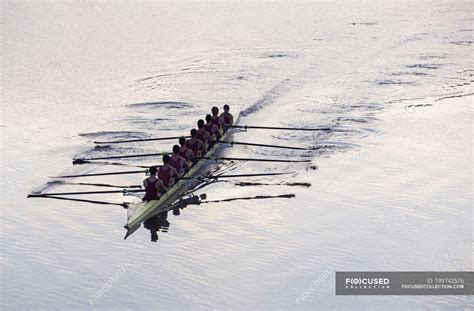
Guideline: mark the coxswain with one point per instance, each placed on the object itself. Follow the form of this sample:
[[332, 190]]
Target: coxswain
[[196, 145], [216, 118], [167, 174], [227, 116], [202, 134], [211, 128], [152, 186], [177, 162]]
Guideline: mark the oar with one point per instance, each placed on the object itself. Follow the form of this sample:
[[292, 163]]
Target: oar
[[247, 175], [293, 184], [146, 171], [262, 145], [100, 185], [228, 126], [124, 205], [102, 174], [279, 128], [137, 140], [235, 176], [82, 160], [258, 197], [254, 159], [85, 192]]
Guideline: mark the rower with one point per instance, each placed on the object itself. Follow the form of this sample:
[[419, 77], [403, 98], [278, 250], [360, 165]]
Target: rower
[[178, 162], [153, 191], [212, 129], [227, 116], [196, 145], [216, 119], [152, 186], [184, 151], [202, 134], [167, 174]]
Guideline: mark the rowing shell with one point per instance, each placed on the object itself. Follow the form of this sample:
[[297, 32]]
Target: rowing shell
[[145, 210]]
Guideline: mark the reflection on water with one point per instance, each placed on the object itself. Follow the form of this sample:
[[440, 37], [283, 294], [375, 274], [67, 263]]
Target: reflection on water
[[160, 222], [157, 223]]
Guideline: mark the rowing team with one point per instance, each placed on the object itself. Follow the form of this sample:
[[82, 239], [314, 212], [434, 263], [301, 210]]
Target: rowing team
[[186, 153]]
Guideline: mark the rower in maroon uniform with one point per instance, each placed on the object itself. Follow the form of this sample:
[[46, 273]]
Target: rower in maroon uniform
[[177, 162], [196, 145], [167, 174], [216, 119], [184, 151], [153, 191], [227, 116], [212, 129], [152, 186], [202, 134]]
